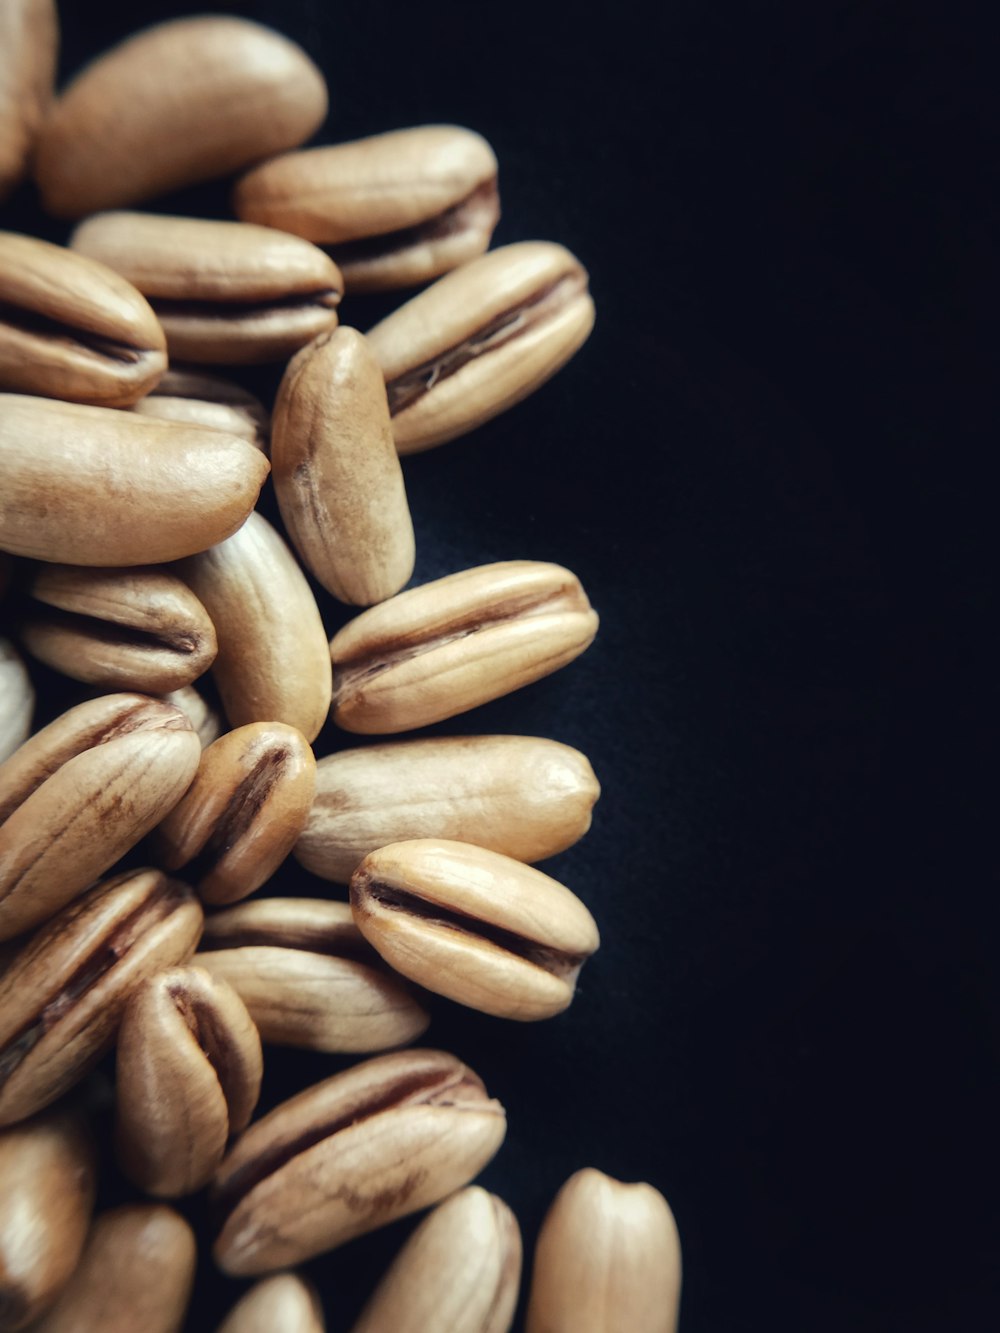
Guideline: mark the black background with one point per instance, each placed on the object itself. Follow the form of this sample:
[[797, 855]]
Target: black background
[[768, 467]]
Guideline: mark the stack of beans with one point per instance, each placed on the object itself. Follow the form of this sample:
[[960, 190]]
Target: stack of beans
[[134, 559]]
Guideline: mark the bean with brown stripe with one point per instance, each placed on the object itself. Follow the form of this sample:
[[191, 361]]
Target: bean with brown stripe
[[125, 629], [475, 926], [188, 1071], [309, 977], [63, 993], [80, 793], [357, 1151]]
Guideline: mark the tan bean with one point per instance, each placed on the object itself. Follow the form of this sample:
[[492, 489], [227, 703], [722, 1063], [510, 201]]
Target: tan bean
[[241, 815], [274, 662], [135, 1276], [63, 993], [480, 339], [17, 700], [71, 327], [308, 976], [375, 1143], [175, 104], [521, 795], [225, 293], [126, 629], [198, 399], [91, 486], [48, 1175], [188, 1071], [458, 1272], [608, 1260], [80, 793], [434, 651], [475, 926], [395, 209], [336, 473]]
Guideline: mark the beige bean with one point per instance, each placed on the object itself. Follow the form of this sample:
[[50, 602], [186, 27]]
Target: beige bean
[[357, 1151], [198, 399], [336, 472], [29, 47], [188, 1071], [17, 700], [126, 629], [71, 327], [89, 724], [608, 1260], [458, 1272], [435, 651], [241, 815], [273, 663], [308, 976], [521, 795], [396, 209], [48, 1174], [478, 927], [225, 292], [91, 486], [314, 925], [135, 1276], [80, 793], [62, 994], [285, 1303], [480, 339], [173, 105]]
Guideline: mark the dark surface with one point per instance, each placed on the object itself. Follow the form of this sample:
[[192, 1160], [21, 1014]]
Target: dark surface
[[768, 469]]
